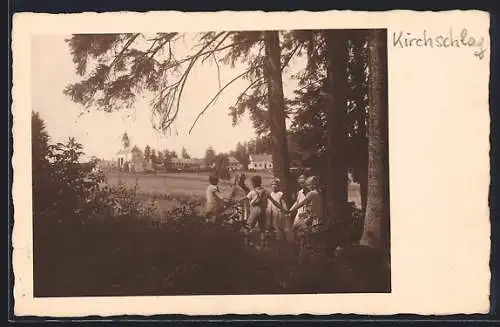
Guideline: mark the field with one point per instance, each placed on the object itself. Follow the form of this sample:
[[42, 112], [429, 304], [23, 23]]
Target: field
[[173, 183], [190, 184]]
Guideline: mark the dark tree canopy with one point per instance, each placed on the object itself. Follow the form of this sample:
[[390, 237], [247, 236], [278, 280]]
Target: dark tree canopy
[[309, 124], [210, 156], [121, 67], [40, 140], [116, 68], [147, 153], [185, 154], [241, 154]]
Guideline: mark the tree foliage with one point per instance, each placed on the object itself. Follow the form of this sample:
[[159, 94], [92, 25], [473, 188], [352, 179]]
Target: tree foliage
[[154, 159], [61, 183], [147, 153], [40, 139], [160, 157], [185, 154], [210, 156], [221, 165], [241, 154], [309, 125], [40, 150], [122, 66]]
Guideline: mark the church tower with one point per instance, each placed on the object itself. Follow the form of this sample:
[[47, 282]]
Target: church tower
[[125, 141]]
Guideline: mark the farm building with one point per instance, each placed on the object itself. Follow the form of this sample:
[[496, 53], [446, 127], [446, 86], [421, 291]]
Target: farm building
[[234, 164], [260, 162], [186, 164]]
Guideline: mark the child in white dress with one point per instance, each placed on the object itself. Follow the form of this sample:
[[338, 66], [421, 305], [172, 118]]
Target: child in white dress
[[311, 218], [312, 215], [214, 200], [239, 191], [277, 220], [301, 180]]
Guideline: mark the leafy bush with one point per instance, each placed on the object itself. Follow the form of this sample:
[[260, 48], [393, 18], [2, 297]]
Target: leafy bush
[[62, 186]]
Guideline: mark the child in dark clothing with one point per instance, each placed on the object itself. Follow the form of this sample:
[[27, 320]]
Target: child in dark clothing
[[258, 198]]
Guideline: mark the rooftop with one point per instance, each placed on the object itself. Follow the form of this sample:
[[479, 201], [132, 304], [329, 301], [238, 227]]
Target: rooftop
[[134, 149], [261, 157], [192, 161], [233, 160]]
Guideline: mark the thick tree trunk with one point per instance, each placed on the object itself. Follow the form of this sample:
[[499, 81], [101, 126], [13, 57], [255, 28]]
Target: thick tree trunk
[[336, 186], [376, 227], [360, 139], [272, 71], [363, 173]]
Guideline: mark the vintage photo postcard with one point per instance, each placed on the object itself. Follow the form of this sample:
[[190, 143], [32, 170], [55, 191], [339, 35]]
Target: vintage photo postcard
[[250, 162]]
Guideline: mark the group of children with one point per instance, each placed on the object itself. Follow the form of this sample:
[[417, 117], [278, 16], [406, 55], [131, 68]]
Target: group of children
[[269, 210]]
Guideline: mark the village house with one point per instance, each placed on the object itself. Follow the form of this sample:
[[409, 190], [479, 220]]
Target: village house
[[260, 162], [234, 164], [186, 164]]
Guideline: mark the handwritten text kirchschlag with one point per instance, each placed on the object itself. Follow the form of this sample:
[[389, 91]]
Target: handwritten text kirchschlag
[[404, 39]]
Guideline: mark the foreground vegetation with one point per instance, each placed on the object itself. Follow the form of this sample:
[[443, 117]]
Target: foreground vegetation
[[126, 254], [121, 250]]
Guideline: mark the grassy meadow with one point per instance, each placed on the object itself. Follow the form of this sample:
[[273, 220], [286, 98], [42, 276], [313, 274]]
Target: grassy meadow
[[162, 185]]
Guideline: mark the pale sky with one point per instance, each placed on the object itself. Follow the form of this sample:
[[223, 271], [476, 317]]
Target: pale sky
[[100, 133]]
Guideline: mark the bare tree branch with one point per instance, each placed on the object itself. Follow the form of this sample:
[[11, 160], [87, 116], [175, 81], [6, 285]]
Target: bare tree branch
[[313, 83], [170, 55], [217, 95], [218, 68], [287, 60], [152, 45], [258, 81], [178, 89], [226, 47], [216, 47], [131, 40], [169, 37], [242, 94], [167, 103]]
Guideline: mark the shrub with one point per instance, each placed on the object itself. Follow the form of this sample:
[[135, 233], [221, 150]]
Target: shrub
[[65, 187]]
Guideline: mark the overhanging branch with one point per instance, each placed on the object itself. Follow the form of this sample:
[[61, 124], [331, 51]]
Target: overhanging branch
[[120, 55], [217, 95], [179, 88]]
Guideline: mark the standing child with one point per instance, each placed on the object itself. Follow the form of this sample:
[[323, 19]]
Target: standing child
[[258, 203], [311, 217], [276, 218], [215, 202], [300, 196], [238, 191], [258, 199]]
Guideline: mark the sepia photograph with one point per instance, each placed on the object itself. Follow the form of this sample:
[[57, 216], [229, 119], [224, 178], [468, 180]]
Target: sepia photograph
[[210, 163], [277, 163]]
